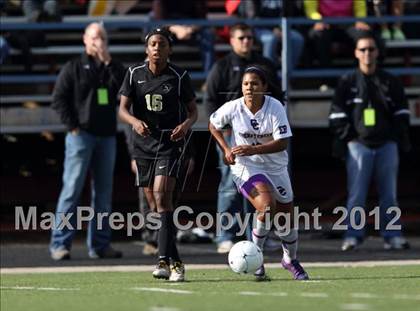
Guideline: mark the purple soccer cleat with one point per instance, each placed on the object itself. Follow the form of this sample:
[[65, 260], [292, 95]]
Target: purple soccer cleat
[[295, 269]]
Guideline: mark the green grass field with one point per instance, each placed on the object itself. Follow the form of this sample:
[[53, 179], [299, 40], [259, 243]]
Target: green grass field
[[376, 288]]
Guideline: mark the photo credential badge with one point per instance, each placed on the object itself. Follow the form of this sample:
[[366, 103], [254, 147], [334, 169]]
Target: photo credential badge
[[103, 96], [369, 117]]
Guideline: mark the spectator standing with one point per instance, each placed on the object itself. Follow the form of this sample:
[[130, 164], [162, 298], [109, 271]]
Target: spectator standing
[[370, 120], [85, 97]]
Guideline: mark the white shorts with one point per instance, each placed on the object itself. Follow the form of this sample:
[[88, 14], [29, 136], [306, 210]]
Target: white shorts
[[245, 178]]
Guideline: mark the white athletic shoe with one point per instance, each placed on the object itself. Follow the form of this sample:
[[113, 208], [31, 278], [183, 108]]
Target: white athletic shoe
[[397, 243], [177, 272], [349, 244], [224, 247], [162, 270], [60, 254]]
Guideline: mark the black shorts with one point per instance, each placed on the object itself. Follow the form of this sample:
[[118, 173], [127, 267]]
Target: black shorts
[[148, 169]]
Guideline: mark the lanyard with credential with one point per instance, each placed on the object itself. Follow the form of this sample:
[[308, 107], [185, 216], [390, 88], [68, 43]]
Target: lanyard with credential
[[102, 91], [369, 115]]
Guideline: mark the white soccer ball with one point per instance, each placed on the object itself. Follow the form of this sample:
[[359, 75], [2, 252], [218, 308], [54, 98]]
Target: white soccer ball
[[245, 257]]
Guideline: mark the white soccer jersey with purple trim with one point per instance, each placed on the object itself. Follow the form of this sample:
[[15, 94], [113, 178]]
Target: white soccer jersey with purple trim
[[269, 123]]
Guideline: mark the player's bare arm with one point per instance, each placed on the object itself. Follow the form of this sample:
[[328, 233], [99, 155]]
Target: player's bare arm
[[229, 157], [138, 125], [182, 129], [270, 147]]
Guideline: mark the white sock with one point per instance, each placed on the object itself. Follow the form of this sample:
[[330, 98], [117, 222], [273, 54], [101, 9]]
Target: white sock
[[290, 245], [260, 232]]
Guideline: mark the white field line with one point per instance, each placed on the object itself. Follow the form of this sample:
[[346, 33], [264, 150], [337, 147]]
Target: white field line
[[354, 306], [37, 288], [314, 295], [406, 297], [149, 268], [163, 309], [243, 293], [363, 295], [250, 293], [163, 290]]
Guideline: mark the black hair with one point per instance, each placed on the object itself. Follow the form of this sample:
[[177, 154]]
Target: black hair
[[159, 31], [239, 26], [258, 71], [367, 34]]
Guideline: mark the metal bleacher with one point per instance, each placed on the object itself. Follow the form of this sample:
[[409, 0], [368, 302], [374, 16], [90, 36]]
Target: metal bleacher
[[25, 98]]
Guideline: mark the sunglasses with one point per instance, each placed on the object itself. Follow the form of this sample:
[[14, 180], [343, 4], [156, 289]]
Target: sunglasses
[[370, 49], [245, 37]]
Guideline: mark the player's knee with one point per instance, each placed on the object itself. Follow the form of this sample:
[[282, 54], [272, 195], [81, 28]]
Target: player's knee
[[163, 201]]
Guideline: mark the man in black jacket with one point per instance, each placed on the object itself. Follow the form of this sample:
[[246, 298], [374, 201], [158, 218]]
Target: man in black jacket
[[223, 85], [370, 120], [85, 97]]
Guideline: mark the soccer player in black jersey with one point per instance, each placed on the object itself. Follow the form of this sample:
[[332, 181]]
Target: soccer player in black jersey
[[163, 111]]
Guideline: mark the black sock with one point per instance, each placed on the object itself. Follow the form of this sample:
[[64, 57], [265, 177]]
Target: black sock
[[174, 253], [165, 236]]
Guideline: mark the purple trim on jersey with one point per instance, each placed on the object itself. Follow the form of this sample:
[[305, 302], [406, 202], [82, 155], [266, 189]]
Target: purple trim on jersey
[[250, 183]]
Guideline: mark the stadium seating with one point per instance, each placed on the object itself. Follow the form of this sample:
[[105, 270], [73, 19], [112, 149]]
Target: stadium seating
[[25, 97]]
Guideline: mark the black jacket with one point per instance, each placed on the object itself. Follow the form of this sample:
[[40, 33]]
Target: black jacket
[[381, 91], [75, 96], [224, 80]]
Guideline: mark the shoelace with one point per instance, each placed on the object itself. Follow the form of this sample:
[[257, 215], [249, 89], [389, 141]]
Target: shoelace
[[162, 264], [177, 267]]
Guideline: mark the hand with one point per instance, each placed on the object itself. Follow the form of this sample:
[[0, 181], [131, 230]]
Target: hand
[[277, 32], [141, 128], [320, 26], [102, 52], [361, 26], [134, 166], [179, 132], [243, 150], [182, 32], [229, 157]]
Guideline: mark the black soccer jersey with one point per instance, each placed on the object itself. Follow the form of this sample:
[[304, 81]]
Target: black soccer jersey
[[160, 101]]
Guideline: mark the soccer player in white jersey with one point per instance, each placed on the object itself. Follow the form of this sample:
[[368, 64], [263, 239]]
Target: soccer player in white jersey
[[258, 160]]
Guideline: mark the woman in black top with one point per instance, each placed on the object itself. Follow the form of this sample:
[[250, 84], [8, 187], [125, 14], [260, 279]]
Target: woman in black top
[[163, 111]]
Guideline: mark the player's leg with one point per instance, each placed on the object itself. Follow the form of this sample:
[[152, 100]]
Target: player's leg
[[290, 245], [144, 181], [78, 153], [259, 192], [359, 165], [287, 232], [147, 205], [163, 191], [99, 234], [145, 175], [162, 195], [386, 175]]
